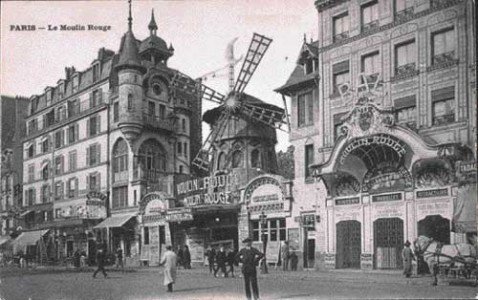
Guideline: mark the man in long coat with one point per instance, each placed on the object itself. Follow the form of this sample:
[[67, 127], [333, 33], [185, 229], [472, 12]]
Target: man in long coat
[[249, 257], [285, 255], [169, 260], [407, 256]]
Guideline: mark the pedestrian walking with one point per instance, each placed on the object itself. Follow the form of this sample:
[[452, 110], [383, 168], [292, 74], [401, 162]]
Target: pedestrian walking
[[211, 256], [294, 261], [119, 259], [249, 257], [408, 257], [285, 255], [100, 261], [230, 258], [186, 258], [169, 260], [221, 262], [76, 258]]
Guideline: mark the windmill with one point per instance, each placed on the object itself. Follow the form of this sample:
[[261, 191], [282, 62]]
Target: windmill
[[236, 104]]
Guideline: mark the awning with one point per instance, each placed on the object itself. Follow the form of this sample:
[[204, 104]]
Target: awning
[[115, 221], [23, 214], [29, 238]]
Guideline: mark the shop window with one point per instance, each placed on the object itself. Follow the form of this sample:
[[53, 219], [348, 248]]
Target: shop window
[[275, 230], [443, 109], [305, 110], [146, 235], [369, 15], [341, 26], [309, 159], [120, 197], [405, 58], [282, 230], [443, 46]]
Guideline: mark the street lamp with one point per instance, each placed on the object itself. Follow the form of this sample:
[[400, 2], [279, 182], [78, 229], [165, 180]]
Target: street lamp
[[263, 220]]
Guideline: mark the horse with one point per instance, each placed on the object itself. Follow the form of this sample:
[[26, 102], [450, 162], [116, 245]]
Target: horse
[[437, 255]]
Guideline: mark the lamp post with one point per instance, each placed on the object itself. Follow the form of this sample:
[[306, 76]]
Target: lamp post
[[263, 220]]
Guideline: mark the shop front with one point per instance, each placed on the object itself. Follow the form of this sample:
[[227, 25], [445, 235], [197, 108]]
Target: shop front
[[385, 185]]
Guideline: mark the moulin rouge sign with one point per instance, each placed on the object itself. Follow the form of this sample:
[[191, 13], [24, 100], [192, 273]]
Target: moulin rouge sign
[[213, 190]]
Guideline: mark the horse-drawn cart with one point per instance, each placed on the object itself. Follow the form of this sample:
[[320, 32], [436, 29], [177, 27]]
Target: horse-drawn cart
[[458, 261]]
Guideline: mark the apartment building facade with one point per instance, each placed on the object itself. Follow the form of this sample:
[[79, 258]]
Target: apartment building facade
[[384, 129]]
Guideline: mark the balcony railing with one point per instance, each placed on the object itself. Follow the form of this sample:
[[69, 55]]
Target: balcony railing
[[370, 26], [444, 58], [444, 119], [341, 36], [151, 175], [157, 122], [405, 71]]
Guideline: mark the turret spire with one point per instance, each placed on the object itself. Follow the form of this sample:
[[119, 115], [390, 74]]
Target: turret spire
[[130, 18], [152, 24]]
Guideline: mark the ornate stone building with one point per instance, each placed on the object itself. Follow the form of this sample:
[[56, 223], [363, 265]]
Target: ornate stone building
[[384, 123], [101, 140]]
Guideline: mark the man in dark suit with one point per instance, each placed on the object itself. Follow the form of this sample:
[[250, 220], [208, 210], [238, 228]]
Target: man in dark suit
[[249, 257], [101, 261], [221, 262]]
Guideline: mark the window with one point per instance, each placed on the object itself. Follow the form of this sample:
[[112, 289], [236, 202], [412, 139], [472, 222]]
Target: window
[[405, 111], [162, 111], [255, 159], [45, 145], [179, 148], [72, 161], [120, 160], [403, 8], [60, 114], [151, 108], [30, 196], [96, 72], [59, 165], [130, 101], [58, 190], [31, 150], [120, 197], [221, 161], [93, 154], [185, 149], [72, 187], [73, 107], [96, 98], [405, 57], [309, 222], [309, 158], [32, 126], [275, 230], [76, 82], [152, 160], [93, 181], [183, 125], [57, 213], [59, 139], [369, 13], [341, 26], [31, 173], [146, 235], [72, 133], [45, 194], [443, 109], [340, 75], [371, 65], [443, 47], [45, 172], [237, 159], [94, 125], [305, 110], [116, 111], [181, 169]]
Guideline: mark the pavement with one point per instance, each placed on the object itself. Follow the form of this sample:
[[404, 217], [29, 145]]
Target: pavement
[[146, 283]]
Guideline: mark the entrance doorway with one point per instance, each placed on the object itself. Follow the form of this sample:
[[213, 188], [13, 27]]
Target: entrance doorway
[[348, 244], [309, 254], [435, 227], [388, 243]]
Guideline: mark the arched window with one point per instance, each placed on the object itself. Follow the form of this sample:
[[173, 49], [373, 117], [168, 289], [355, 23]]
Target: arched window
[[183, 121], [130, 101], [152, 156], [221, 161], [255, 159], [237, 159], [120, 156]]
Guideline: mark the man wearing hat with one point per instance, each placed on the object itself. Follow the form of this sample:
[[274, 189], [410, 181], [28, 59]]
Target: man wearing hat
[[249, 257], [407, 256]]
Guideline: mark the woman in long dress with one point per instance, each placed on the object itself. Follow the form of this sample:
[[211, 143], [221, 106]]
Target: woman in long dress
[[169, 260]]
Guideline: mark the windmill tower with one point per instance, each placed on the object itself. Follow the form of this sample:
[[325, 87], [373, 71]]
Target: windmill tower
[[243, 128]]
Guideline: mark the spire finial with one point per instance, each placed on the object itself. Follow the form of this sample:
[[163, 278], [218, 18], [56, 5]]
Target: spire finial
[[130, 18], [152, 24], [305, 38]]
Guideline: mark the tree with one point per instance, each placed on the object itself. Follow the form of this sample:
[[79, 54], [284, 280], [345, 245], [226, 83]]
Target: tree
[[285, 162]]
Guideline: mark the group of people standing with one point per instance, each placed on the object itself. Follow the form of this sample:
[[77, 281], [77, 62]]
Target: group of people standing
[[221, 260], [184, 257], [288, 257]]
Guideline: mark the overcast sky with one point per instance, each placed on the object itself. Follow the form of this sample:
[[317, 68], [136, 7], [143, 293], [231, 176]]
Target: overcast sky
[[198, 30]]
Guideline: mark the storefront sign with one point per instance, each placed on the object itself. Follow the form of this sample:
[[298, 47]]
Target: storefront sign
[[430, 207], [213, 190], [388, 211], [96, 195], [380, 139], [264, 194], [178, 216], [154, 203], [347, 201], [387, 197], [91, 209], [466, 167], [432, 193]]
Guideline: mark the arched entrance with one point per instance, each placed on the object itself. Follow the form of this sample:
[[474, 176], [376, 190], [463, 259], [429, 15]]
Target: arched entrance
[[349, 240], [388, 243], [435, 227]]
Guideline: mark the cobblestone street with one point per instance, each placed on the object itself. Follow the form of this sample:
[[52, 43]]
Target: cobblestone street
[[198, 284]]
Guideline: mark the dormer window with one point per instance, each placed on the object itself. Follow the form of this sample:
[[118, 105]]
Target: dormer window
[[48, 95], [76, 83], [310, 65], [96, 72], [61, 89]]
